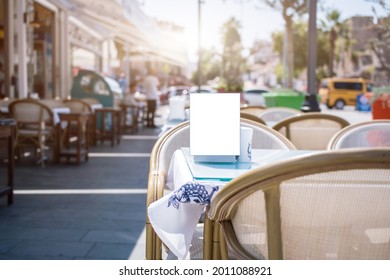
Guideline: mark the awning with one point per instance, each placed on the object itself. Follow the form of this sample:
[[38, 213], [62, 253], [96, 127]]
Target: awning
[[125, 23]]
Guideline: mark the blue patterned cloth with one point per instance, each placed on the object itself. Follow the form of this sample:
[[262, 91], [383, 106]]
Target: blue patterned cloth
[[192, 192]]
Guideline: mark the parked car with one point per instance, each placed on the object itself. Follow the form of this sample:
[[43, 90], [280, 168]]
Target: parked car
[[253, 96], [208, 89], [173, 91], [338, 92], [203, 89]]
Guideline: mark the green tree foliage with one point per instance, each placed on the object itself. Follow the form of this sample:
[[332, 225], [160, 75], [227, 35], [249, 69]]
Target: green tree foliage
[[334, 27], [300, 30], [211, 66], [230, 65], [233, 63], [289, 9], [322, 55]]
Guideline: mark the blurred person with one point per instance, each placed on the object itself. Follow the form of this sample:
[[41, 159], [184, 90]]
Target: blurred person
[[132, 107], [122, 81], [151, 84]]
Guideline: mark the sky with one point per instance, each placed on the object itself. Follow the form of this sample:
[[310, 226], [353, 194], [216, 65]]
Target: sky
[[257, 20]]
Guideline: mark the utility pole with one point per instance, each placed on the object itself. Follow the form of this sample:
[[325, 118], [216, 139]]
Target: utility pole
[[199, 46], [311, 103]]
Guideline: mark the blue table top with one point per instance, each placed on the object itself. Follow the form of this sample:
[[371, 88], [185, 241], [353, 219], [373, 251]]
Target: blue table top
[[227, 171]]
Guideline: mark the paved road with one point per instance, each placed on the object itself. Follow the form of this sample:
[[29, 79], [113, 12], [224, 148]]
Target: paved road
[[95, 210], [349, 113]]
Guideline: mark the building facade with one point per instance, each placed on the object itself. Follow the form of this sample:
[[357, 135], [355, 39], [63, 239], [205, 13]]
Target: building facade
[[44, 42], [356, 57]]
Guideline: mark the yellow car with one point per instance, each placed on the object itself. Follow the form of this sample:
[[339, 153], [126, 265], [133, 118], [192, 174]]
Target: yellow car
[[339, 92]]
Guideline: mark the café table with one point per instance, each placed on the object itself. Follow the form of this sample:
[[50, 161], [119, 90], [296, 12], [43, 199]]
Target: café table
[[175, 216], [56, 111], [56, 115], [96, 106]]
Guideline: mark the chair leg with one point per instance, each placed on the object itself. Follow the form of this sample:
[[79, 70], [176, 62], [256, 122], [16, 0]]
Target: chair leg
[[224, 248], [216, 242], [11, 167], [149, 248], [158, 247], [42, 149], [207, 238]]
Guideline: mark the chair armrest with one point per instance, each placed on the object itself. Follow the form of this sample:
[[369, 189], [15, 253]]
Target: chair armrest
[[156, 185]]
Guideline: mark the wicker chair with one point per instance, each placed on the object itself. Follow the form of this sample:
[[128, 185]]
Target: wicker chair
[[91, 101], [77, 105], [375, 133], [274, 115], [328, 205], [82, 106], [52, 103], [251, 117], [175, 138], [35, 126], [311, 131], [253, 110]]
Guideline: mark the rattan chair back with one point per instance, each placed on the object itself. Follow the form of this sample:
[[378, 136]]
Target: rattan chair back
[[311, 131], [272, 115], [78, 105], [52, 103], [253, 110], [35, 125], [328, 205], [375, 133], [252, 117]]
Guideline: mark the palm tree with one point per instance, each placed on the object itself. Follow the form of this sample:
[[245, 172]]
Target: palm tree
[[232, 60], [335, 28], [289, 10]]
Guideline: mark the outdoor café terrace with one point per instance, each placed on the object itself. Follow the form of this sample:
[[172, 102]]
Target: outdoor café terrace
[[94, 209]]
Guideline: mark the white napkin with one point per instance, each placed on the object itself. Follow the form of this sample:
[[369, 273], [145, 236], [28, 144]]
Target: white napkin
[[56, 117], [175, 216]]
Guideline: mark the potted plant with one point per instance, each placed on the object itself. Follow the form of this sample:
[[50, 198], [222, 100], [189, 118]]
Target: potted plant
[[380, 103]]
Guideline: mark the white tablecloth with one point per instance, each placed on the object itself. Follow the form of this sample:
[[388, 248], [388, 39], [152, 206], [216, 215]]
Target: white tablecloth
[[3, 109], [57, 111], [175, 216], [96, 106]]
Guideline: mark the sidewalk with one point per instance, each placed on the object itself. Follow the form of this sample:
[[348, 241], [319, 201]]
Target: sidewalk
[[95, 210]]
